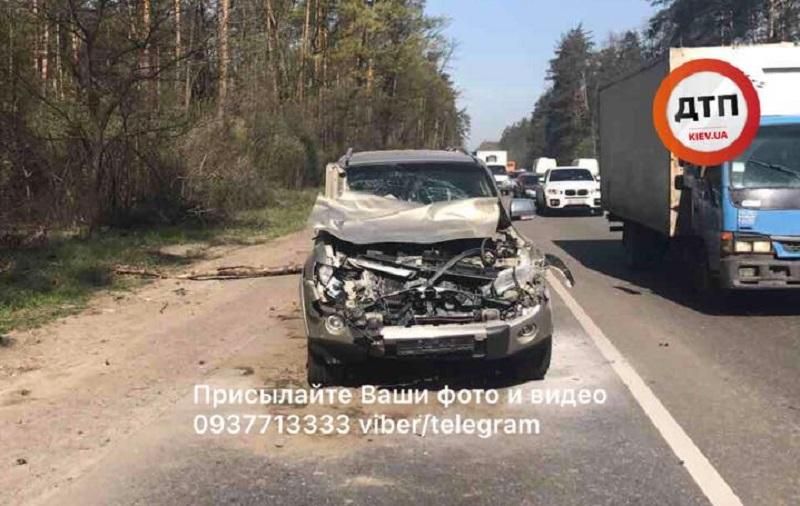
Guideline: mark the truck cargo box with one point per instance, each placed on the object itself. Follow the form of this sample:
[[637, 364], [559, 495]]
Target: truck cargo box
[[637, 172]]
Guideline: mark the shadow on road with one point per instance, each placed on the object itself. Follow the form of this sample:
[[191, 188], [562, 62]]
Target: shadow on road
[[566, 214], [672, 282]]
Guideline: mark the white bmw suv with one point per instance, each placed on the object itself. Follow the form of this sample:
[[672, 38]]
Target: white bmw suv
[[569, 188]]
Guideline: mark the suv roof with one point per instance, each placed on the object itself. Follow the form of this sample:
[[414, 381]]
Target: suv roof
[[407, 156], [569, 167]]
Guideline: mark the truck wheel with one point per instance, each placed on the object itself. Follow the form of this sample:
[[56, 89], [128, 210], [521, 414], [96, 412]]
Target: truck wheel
[[643, 247], [703, 281], [533, 364], [320, 373], [706, 286]]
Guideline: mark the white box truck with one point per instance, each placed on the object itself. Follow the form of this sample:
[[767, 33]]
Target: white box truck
[[737, 225], [542, 165], [588, 163]]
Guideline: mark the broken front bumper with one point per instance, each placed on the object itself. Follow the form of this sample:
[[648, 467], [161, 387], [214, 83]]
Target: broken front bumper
[[480, 340], [490, 340]]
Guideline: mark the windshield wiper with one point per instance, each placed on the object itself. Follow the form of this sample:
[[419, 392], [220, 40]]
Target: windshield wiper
[[776, 167]]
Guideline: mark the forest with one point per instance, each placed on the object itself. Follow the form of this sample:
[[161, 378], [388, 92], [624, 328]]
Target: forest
[[120, 113], [563, 122]]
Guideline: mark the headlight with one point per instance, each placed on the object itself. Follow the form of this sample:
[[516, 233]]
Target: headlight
[[553, 191], [748, 246], [762, 247]]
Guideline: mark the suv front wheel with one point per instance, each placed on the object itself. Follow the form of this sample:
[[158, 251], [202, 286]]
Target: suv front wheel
[[320, 373], [533, 364]]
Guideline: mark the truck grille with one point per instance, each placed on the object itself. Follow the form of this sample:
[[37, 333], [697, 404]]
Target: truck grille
[[791, 247], [572, 193]]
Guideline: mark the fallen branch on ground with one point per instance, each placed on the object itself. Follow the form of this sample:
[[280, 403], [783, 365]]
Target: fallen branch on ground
[[228, 272]]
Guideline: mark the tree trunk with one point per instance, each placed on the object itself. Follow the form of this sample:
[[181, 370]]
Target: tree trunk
[[273, 49], [304, 51], [187, 87], [223, 13], [146, 64], [45, 47], [178, 49], [58, 83], [35, 9], [772, 14]]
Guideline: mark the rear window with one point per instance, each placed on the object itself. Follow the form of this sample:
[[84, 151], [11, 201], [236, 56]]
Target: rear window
[[498, 170], [421, 182], [571, 175], [529, 180]]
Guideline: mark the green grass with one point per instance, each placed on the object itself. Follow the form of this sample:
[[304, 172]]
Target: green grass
[[40, 284]]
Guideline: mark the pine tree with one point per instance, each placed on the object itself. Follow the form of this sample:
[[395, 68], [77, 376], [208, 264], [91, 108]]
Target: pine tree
[[568, 127]]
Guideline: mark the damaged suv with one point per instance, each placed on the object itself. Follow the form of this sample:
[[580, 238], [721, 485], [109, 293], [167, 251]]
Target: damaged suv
[[414, 257]]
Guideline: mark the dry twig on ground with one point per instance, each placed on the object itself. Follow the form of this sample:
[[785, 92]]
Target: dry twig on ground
[[221, 273]]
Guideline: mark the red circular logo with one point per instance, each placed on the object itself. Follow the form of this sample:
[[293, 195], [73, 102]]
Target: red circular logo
[[706, 112]]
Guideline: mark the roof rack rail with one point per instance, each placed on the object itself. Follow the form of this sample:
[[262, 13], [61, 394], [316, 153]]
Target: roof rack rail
[[459, 149]]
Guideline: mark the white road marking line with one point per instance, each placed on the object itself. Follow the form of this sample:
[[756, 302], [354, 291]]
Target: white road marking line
[[715, 488]]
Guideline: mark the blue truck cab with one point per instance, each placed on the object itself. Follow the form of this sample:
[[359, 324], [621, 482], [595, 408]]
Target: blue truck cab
[[745, 213]]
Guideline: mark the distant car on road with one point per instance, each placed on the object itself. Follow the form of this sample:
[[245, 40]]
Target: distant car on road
[[527, 184], [522, 209], [568, 188], [501, 178]]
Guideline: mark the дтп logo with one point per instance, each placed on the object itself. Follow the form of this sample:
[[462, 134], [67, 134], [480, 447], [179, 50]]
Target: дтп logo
[[706, 112]]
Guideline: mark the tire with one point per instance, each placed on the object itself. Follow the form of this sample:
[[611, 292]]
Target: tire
[[532, 365], [703, 281], [707, 288], [643, 247], [320, 373]]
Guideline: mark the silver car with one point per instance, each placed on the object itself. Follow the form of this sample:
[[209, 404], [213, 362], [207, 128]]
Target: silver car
[[414, 258]]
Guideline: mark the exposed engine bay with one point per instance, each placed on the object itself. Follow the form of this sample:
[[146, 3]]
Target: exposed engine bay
[[406, 284]]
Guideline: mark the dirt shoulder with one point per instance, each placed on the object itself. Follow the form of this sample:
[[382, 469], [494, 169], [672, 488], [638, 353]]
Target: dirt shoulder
[[70, 389]]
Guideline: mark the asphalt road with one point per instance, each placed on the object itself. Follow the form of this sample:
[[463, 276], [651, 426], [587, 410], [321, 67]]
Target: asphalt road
[[729, 381], [728, 376]]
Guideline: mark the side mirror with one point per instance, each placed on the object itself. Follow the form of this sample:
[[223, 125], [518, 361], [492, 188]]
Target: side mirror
[[680, 183], [522, 209]]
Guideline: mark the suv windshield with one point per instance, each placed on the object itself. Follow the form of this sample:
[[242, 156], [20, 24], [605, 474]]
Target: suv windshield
[[421, 182], [498, 170], [529, 180], [571, 175], [771, 161]]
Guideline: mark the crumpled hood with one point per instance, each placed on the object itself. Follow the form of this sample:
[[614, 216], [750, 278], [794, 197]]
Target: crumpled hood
[[362, 218]]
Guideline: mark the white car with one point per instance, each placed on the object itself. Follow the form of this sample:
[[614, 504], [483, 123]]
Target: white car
[[501, 178], [569, 188]]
